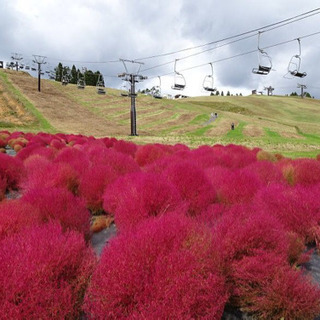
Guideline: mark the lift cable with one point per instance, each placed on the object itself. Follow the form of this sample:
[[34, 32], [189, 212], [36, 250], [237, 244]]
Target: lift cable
[[240, 54], [281, 23]]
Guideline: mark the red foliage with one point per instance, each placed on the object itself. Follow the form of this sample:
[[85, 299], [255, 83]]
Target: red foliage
[[11, 170], [76, 158], [43, 173], [44, 273], [148, 153], [36, 149], [266, 171], [234, 187], [273, 290], [3, 187], [139, 196], [306, 171], [194, 186], [120, 162], [16, 215], [296, 207], [60, 205], [93, 184], [125, 147], [163, 271], [243, 231]]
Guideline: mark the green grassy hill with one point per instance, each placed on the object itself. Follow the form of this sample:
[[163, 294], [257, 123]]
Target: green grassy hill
[[289, 125]]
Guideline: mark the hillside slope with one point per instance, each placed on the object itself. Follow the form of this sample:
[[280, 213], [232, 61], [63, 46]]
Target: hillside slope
[[274, 123]]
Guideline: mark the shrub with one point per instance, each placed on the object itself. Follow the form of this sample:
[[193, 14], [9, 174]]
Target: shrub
[[148, 153], [43, 173], [164, 270], [16, 215], [3, 187], [120, 162], [297, 208], [11, 170], [36, 149], [93, 184], [60, 205], [272, 290], [139, 196], [125, 147], [243, 231], [44, 273], [266, 156], [234, 186], [77, 159], [306, 172], [194, 186], [266, 171]]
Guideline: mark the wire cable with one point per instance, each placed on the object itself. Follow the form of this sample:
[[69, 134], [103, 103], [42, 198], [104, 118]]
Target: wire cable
[[285, 22]]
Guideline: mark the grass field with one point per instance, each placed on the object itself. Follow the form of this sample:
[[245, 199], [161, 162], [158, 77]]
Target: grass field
[[289, 125]]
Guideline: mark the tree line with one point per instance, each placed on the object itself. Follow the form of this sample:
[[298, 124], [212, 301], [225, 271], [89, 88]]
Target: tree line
[[73, 75]]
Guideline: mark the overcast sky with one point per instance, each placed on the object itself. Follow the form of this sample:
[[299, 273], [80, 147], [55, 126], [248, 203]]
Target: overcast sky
[[80, 32]]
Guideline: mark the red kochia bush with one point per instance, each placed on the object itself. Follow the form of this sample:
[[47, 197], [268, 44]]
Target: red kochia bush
[[44, 273], [194, 186], [296, 207], [11, 170], [43, 173], [306, 171], [269, 288], [234, 186], [125, 147], [77, 159], [138, 196], [16, 215], [120, 162], [164, 270], [148, 153], [93, 184], [61, 205]]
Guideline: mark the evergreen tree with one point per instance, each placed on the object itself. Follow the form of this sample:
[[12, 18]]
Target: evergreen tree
[[222, 94], [59, 72], [74, 75], [228, 93], [217, 92]]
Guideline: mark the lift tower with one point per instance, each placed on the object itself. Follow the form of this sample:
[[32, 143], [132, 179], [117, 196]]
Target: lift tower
[[132, 77], [39, 60]]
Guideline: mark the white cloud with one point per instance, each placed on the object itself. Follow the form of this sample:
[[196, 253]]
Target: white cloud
[[103, 30]]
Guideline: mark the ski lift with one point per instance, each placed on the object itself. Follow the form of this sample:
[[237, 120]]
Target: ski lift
[[27, 67], [294, 65], [81, 83], [156, 91], [100, 85], [33, 68], [208, 81], [124, 90], [265, 63], [179, 80]]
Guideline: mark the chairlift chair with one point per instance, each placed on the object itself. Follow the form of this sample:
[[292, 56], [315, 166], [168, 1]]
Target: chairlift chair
[[208, 81], [100, 85], [81, 83], [156, 92], [294, 65], [265, 62], [124, 90], [27, 67], [179, 80]]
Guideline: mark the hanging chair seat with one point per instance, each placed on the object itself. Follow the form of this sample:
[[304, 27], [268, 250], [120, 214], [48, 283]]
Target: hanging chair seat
[[178, 86], [263, 70]]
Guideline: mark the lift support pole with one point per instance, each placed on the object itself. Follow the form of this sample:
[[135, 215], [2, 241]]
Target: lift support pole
[[39, 60], [132, 78]]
